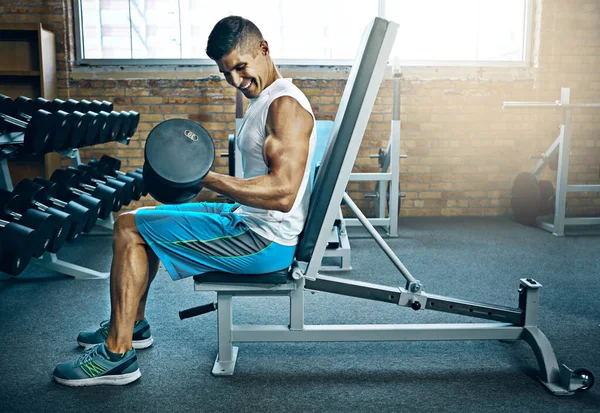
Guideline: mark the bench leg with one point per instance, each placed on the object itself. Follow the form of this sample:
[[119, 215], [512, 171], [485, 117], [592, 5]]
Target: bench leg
[[225, 363]]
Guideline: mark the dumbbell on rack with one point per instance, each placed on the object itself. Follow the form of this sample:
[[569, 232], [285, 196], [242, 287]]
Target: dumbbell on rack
[[85, 125], [120, 125], [16, 243], [24, 108], [86, 177], [113, 166], [12, 208], [97, 174], [71, 187], [83, 208], [37, 196], [135, 180], [71, 105], [37, 132]]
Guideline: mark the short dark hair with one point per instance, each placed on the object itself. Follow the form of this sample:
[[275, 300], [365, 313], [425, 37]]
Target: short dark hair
[[232, 32]]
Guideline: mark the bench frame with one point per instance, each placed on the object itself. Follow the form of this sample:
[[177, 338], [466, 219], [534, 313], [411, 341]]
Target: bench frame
[[507, 324]]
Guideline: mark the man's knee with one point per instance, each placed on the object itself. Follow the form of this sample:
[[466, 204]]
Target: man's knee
[[125, 226]]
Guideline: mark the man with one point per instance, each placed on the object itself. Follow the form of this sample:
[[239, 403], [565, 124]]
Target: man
[[256, 234]]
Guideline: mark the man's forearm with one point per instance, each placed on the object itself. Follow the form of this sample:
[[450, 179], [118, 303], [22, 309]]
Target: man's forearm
[[265, 192]]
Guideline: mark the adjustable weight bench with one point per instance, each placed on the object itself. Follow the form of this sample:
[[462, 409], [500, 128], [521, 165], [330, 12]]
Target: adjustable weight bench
[[509, 324]]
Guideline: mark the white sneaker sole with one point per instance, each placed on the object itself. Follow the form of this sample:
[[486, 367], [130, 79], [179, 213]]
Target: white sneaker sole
[[137, 344], [118, 380]]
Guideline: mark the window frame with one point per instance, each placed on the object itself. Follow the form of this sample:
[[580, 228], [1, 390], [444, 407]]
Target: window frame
[[527, 60]]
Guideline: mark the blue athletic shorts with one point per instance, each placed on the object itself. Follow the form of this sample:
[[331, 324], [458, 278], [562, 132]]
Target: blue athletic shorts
[[191, 239]]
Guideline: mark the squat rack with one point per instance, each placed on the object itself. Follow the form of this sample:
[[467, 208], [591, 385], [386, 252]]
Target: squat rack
[[562, 144]]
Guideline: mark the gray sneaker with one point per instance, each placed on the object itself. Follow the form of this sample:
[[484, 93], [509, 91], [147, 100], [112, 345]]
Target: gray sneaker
[[142, 337], [95, 366]]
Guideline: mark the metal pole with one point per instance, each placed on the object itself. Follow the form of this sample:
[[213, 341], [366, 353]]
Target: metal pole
[[384, 246], [563, 167]]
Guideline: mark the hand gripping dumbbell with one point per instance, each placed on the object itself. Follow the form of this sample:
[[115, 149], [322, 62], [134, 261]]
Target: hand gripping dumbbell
[[84, 209], [86, 176], [112, 166], [35, 197], [126, 183], [37, 132], [71, 185], [13, 208]]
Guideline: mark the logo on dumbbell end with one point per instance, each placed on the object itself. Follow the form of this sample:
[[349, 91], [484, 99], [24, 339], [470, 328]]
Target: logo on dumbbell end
[[190, 135]]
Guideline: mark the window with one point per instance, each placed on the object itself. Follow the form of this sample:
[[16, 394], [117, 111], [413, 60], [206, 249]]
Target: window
[[304, 32]]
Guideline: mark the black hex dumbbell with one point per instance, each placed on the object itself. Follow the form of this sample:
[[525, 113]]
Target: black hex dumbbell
[[83, 208], [71, 184], [36, 196], [112, 166], [86, 176], [83, 119], [13, 208], [25, 107], [126, 183], [16, 247], [37, 131]]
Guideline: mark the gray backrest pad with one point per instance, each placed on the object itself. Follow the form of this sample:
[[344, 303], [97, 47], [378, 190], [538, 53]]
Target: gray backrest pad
[[343, 128]]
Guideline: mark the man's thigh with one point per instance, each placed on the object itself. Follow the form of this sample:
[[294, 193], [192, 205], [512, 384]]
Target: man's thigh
[[210, 207], [189, 242]]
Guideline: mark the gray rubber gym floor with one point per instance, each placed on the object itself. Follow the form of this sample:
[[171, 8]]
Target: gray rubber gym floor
[[478, 259]]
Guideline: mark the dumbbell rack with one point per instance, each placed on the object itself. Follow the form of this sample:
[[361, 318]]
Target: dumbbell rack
[[562, 144], [50, 260]]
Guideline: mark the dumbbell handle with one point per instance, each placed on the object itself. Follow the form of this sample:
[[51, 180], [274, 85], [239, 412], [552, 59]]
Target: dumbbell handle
[[376, 156], [15, 214], [25, 116], [39, 205], [85, 186], [97, 181], [14, 121], [3, 223], [58, 202]]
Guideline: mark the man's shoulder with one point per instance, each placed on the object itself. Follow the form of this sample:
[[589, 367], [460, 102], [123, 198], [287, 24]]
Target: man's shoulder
[[285, 90]]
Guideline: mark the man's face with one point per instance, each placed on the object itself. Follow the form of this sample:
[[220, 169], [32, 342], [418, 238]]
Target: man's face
[[246, 72]]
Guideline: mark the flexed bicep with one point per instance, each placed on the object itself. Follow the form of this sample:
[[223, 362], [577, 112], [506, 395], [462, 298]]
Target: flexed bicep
[[289, 127]]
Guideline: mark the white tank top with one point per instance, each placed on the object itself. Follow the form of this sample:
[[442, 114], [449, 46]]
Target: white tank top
[[277, 226]]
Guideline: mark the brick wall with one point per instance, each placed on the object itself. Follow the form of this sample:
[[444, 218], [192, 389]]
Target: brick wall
[[463, 149]]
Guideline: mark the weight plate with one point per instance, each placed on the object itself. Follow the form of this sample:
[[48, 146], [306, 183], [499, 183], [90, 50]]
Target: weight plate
[[6, 104], [525, 198], [180, 152], [166, 194], [93, 129], [231, 155], [61, 132], [38, 134], [135, 120], [78, 129], [547, 198]]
